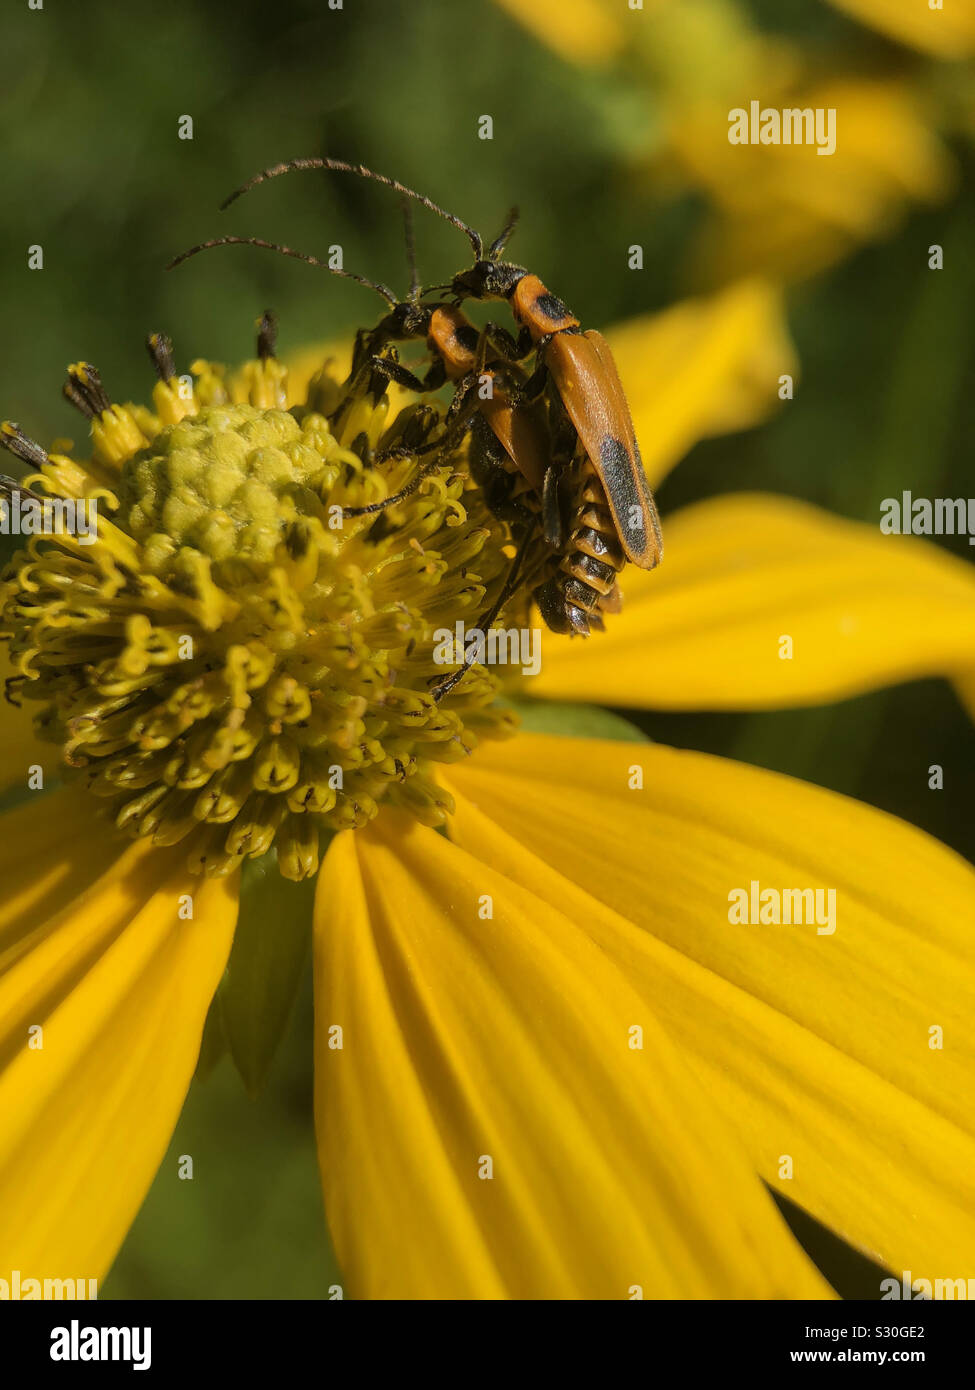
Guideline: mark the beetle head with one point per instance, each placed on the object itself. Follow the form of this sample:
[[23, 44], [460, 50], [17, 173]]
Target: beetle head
[[409, 319], [488, 280]]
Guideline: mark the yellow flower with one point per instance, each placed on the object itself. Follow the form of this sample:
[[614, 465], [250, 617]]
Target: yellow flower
[[547, 1064], [942, 28], [781, 209], [792, 212], [583, 31]]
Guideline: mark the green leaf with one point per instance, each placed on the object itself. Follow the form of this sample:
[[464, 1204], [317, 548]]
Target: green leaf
[[266, 965], [575, 721]]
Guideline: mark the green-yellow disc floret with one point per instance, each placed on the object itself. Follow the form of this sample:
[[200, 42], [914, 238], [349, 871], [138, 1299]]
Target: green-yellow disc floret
[[235, 661]]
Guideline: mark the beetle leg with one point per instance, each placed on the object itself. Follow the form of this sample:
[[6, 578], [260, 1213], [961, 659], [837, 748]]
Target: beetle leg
[[394, 371], [491, 469], [535, 384], [410, 487], [456, 422], [440, 688], [501, 341], [364, 349], [552, 524], [435, 377], [461, 402]]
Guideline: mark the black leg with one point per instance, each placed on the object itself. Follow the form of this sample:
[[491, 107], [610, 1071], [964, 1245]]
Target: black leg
[[504, 345], [493, 472], [536, 383], [487, 620], [460, 403], [363, 350], [552, 527], [525, 343], [411, 486], [393, 371], [436, 376]]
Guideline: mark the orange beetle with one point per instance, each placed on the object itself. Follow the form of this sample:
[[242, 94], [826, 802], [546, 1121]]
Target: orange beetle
[[598, 515], [612, 514], [597, 508]]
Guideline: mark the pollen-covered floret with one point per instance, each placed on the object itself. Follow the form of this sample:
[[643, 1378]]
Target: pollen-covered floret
[[243, 657]]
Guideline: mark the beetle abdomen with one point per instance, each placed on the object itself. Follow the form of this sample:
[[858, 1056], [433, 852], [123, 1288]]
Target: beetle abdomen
[[585, 584]]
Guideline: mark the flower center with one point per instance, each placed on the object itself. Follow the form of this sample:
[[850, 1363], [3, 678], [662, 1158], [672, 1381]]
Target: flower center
[[244, 654]]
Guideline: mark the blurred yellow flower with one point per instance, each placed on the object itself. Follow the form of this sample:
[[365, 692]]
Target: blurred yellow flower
[[705, 366], [582, 31], [945, 28], [780, 209], [787, 210]]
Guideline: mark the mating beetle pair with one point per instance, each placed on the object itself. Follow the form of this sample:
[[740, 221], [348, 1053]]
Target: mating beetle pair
[[554, 450]]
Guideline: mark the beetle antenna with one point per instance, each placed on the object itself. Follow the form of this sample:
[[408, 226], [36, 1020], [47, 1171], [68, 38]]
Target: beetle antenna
[[504, 236], [411, 251], [382, 290], [341, 167]]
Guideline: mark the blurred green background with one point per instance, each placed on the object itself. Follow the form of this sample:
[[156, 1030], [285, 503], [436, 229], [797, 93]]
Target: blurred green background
[[93, 170]]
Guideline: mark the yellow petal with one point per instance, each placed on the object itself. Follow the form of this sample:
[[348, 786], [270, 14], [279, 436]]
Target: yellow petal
[[817, 1047], [965, 690], [19, 748], [947, 32], [305, 363], [468, 1038], [787, 210], [706, 366], [741, 574], [93, 950]]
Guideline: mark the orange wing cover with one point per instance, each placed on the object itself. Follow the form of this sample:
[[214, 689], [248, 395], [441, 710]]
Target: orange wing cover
[[521, 433], [583, 369]]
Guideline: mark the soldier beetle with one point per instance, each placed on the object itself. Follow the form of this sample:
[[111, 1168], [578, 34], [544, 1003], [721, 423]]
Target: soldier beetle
[[607, 508]]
